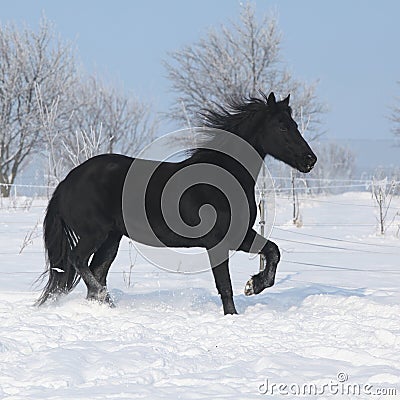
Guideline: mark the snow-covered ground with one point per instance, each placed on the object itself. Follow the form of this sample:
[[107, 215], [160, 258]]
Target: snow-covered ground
[[332, 319]]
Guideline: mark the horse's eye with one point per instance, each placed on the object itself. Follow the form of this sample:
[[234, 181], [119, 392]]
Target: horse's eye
[[283, 129]]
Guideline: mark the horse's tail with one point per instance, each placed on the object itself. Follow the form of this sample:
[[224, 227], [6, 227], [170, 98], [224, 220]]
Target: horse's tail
[[59, 241]]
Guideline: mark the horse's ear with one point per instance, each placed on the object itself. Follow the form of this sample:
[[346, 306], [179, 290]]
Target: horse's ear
[[271, 101], [286, 101]]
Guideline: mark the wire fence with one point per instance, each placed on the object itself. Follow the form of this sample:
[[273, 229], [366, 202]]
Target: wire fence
[[281, 185], [27, 190], [22, 196], [305, 185]]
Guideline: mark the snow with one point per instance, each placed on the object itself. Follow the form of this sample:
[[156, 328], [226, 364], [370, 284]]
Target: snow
[[168, 339]]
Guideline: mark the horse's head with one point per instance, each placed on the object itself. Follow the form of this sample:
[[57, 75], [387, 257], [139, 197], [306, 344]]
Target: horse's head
[[280, 137]]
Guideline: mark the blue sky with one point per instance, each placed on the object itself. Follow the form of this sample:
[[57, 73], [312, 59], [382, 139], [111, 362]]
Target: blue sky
[[351, 47]]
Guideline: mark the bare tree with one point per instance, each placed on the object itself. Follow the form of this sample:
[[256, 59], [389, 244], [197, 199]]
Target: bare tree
[[338, 162], [395, 117], [105, 120], [383, 192], [28, 59], [51, 133], [92, 119], [84, 146], [390, 174], [232, 62]]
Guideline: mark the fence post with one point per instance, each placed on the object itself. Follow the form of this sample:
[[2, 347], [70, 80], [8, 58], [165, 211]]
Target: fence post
[[261, 207]]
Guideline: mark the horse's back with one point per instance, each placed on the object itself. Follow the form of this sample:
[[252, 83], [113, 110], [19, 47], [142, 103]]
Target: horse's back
[[91, 194]]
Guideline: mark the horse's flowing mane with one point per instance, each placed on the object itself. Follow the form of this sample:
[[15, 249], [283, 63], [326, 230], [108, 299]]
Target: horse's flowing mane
[[237, 111]]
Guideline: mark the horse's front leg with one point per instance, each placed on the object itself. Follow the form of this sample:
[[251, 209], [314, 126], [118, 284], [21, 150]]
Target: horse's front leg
[[223, 282], [255, 243]]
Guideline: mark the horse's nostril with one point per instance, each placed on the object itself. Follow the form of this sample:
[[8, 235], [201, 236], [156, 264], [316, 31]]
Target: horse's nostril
[[311, 158]]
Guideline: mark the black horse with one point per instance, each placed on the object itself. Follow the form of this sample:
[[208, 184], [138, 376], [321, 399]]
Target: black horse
[[85, 216]]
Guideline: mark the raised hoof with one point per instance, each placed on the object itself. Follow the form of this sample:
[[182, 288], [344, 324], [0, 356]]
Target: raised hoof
[[256, 285]]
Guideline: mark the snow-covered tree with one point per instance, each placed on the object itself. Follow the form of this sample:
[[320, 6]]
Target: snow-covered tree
[[107, 120], [395, 117], [235, 61], [28, 59], [100, 119], [48, 108], [338, 162]]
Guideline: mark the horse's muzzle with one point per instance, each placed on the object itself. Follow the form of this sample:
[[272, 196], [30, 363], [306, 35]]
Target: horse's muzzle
[[308, 163]]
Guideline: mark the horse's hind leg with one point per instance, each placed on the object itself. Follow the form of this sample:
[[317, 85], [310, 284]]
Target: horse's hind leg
[[103, 258], [79, 258]]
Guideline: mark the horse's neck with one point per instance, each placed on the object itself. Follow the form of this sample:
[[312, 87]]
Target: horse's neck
[[250, 159], [248, 156], [245, 170]]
